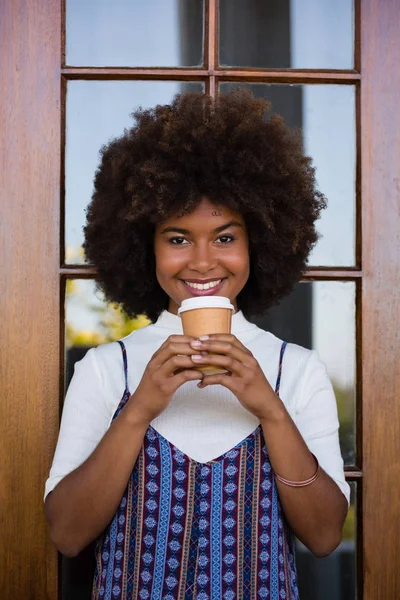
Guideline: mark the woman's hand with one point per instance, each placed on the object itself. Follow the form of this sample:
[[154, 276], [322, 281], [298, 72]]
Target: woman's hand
[[169, 368], [245, 378]]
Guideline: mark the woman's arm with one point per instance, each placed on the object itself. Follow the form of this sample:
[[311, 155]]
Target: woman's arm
[[316, 512], [84, 502]]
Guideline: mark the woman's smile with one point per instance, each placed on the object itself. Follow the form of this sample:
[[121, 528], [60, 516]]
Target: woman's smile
[[208, 288]]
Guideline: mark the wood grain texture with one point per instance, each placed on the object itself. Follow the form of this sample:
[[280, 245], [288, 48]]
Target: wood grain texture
[[223, 73], [310, 274], [29, 299], [380, 126], [210, 45]]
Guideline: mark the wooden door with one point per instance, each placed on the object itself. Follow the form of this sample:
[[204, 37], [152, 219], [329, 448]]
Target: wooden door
[[33, 80]]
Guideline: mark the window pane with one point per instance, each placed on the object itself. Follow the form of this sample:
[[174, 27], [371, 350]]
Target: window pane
[[90, 321], [333, 577], [311, 34], [320, 315], [164, 33], [326, 115], [96, 112]]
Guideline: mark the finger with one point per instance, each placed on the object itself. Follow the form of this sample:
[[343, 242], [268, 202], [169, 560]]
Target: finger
[[174, 339], [171, 348], [227, 338], [226, 348], [173, 383], [187, 375], [220, 379], [219, 360], [173, 364]]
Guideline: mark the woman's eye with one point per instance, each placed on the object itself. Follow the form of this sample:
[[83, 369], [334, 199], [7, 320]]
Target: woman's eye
[[178, 241], [225, 239]]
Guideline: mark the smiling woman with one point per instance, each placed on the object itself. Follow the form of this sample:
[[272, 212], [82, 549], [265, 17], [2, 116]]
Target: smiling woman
[[212, 258], [200, 447]]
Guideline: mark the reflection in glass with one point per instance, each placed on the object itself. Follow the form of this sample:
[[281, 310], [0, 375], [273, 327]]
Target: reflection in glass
[[320, 315], [326, 115], [164, 33], [333, 577], [311, 34], [90, 321], [96, 112]]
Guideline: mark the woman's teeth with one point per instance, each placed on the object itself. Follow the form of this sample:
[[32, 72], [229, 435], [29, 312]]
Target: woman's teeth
[[204, 286]]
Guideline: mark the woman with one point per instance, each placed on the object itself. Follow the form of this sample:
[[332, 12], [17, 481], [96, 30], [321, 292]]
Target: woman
[[194, 484]]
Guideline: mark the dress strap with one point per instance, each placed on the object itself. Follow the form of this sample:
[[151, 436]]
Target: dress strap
[[125, 363], [278, 379]]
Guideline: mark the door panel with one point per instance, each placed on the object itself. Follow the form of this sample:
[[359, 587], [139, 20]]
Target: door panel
[[32, 323], [29, 299], [380, 185]]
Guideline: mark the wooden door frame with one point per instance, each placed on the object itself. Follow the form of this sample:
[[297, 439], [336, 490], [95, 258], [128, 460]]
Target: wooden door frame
[[30, 61], [30, 182], [380, 327]]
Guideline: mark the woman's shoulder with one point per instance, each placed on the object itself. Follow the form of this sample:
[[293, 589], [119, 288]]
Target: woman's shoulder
[[270, 343], [135, 339], [140, 345]]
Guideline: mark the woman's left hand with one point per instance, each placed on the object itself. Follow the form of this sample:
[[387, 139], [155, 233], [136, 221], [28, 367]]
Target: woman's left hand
[[245, 378]]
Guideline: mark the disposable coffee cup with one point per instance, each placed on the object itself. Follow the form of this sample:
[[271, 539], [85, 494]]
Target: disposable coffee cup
[[205, 315]]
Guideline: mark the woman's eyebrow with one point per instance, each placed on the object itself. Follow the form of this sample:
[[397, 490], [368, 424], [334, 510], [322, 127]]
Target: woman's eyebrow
[[216, 230]]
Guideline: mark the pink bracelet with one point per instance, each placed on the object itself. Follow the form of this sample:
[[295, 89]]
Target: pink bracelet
[[301, 483]]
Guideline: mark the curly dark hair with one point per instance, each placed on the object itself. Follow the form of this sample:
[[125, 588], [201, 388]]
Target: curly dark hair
[[223, 149]]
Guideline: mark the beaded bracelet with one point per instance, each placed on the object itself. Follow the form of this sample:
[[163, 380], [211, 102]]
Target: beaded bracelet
[[301, 483]]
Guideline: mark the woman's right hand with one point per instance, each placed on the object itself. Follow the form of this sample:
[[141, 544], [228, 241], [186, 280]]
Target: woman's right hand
[[169, 368]]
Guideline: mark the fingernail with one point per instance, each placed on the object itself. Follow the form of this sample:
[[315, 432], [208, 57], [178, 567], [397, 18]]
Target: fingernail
[[197, 357], [196, 344], [204, 337]]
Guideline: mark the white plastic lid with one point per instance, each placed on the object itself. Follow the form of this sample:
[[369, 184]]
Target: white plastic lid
[[205, 302]]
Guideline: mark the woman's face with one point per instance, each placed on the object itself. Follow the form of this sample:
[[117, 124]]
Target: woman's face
[[202, 254]]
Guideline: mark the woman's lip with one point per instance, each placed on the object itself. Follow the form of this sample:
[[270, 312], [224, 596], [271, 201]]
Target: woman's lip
[[209, 292]]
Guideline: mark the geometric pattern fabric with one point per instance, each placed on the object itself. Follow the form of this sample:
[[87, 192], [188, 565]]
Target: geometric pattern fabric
[[186, 530]]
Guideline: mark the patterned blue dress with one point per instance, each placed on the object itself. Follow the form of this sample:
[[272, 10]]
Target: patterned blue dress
[[199, 531]]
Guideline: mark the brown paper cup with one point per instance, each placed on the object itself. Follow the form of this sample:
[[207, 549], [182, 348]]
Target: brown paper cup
[[204, 320]]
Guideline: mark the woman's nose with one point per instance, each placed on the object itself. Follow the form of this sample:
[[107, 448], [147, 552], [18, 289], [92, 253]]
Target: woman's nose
[[203, 258]]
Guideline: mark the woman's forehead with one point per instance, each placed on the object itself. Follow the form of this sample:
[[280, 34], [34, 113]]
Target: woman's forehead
[[205, 211]]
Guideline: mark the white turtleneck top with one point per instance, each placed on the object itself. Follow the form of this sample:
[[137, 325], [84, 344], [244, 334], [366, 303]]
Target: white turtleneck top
[[202, 423]]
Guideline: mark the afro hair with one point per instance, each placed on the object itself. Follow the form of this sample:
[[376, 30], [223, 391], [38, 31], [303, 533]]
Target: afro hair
[[226, 150]]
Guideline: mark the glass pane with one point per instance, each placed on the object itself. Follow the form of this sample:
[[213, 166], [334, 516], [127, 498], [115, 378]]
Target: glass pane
[[320, 315], [326, 115], [96, 112], [311, 34], [164, 33], [333, 577], [90, 321]]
